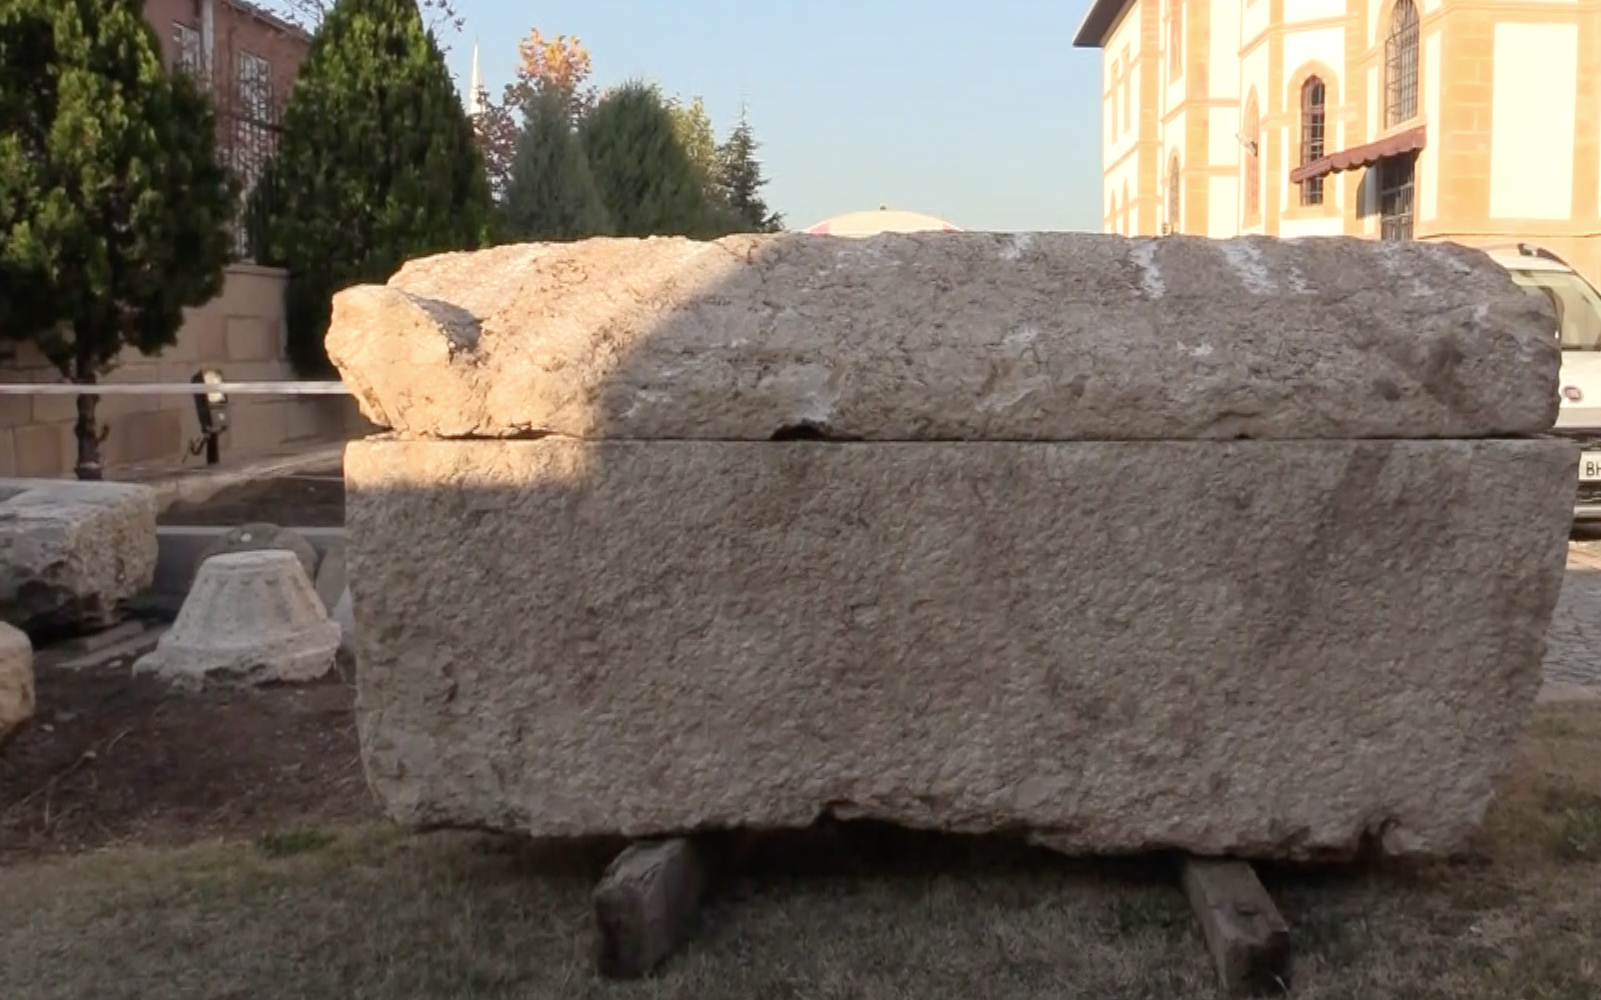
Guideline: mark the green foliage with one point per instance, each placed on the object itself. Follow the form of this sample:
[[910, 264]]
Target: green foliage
[[739, 182], [114, 210], [693, 127], [378, 164], [647, 181], [551, 194]]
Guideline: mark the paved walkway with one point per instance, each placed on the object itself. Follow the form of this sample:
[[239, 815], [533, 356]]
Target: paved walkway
[[1573, 649]]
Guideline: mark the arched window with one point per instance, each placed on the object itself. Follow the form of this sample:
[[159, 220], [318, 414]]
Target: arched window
[[1175, 38], [1174, 220], [1314, 119], [1252, 136], [1401, 64]]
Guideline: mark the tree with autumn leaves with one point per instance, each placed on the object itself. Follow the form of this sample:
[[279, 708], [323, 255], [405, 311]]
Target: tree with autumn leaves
[[556, 67], [567, 162]]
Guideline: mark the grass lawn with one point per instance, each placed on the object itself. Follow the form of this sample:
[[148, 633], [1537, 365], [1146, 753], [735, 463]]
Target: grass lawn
[[354, 909]]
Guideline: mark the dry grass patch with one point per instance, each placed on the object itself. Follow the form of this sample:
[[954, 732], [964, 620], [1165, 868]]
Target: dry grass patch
[[372, 913]]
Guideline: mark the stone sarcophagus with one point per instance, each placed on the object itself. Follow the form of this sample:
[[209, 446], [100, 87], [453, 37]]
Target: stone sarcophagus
[[1242, 547]]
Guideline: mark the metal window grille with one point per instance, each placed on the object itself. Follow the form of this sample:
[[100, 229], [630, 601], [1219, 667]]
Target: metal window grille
[[1401, 65], [1396, 186], [248, 110], [1173, 218], [1314, 118]]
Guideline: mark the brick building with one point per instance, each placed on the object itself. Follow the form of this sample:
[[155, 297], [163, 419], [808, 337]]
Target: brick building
[[1464, 120], [249, 57]]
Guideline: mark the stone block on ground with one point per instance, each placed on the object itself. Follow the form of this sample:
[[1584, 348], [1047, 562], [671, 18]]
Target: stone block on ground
[[645, 905], [1247, 937], [16, 679], [71, 552], [952, 336], [251, 617], [262, 536], [1258, 648]]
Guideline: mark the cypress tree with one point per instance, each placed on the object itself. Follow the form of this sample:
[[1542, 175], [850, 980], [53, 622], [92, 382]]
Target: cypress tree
[[114, 209], [647, 181], [378, 164], [551, 194]]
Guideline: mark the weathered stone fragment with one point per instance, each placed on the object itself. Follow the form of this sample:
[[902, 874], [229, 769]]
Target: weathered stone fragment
[[261, 536], [1243, 928], [16, 679], [71, 551], [1260, 648], [952, 336], [251, 617]]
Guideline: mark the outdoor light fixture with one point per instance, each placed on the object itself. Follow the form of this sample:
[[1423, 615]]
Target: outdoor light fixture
[[211, 409]]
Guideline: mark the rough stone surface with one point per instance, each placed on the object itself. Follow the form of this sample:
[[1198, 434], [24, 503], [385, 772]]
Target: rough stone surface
[[952, 336], [261, 536], [16, 679], [345, 617], [1261, 648], [330, 576], [251, 617], [71, 551]]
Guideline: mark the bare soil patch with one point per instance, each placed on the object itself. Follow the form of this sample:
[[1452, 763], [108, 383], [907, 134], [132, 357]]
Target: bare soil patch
[[240, 857], [111, 759]]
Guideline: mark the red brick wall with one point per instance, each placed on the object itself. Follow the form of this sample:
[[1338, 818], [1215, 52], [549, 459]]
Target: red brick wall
[[236, 27]]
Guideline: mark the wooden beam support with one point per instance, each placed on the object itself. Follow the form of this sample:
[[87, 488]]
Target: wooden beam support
[[1248, 939]]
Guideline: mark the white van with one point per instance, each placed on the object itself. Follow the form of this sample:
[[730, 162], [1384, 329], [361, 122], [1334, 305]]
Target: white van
[[1578, 309]]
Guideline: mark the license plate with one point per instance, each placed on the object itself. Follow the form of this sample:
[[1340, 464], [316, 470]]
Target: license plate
[[1590, 467]]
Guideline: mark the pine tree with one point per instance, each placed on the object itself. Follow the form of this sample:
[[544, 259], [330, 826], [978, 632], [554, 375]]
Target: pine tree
[[648, 183], [551, 194], [114, 209], [739, 182], [378, 164]]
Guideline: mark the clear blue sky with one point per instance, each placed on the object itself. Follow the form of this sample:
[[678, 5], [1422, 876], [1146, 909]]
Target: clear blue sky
[[980, 113]]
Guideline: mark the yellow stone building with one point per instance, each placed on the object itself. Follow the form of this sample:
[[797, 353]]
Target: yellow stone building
[[1477, 121]]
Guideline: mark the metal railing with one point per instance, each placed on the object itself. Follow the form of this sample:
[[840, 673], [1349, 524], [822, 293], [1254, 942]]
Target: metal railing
[[174, 389], [210, 394]]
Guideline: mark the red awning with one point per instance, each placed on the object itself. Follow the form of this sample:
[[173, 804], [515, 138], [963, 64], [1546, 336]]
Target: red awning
[[1365, 155]]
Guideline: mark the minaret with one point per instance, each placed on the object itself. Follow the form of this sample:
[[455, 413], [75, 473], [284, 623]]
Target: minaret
[[475, 92]]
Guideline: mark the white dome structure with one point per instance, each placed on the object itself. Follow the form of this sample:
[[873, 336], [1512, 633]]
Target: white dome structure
[[885, 220]]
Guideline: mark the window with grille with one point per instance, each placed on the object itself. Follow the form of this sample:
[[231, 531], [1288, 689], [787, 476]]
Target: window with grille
[[1401, 65], [1253, 161], [1314, 119], [1173, 218], [186, 48], [254, 133], [1396, 184]]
